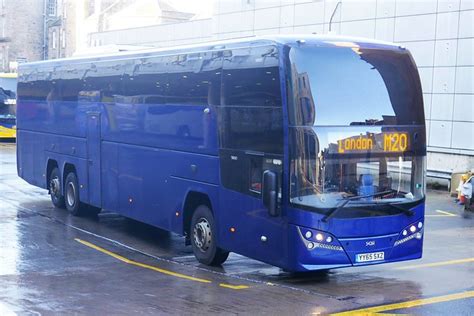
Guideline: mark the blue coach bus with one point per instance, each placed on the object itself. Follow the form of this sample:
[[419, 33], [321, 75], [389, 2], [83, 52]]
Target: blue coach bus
[[303, 152]]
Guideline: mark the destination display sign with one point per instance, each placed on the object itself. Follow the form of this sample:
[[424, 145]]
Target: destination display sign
[[387, 142]]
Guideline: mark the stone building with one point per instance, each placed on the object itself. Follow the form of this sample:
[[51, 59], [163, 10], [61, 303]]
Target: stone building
[[21, 32]]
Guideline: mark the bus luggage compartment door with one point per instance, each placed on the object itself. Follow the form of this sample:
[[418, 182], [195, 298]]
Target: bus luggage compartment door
[[93, 158]]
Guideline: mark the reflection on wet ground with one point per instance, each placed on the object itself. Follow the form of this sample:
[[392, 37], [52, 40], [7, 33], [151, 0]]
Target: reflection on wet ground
[[44, 269]]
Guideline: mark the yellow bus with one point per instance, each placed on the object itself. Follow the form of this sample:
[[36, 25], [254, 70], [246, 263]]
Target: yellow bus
[[8, 105]]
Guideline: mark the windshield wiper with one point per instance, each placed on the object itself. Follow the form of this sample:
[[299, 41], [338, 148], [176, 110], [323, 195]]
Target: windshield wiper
[[349, 199]]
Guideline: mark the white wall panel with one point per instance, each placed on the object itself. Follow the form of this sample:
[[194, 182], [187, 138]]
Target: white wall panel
[[287, 14], [412, 28], [384, 29], [466, 28], [308, 29], [440, 134], [467, 5], [309, 13], [286, 30], [359, 28], [259, 4], [445, 53], [463, 107], [358, 10], [267, 18], [426, 77], [423, 52], [464, 80], [448, 5], [410, 7], [329, 6], [442, 106], [465, 52], [447, 25], [235, 22], [463, 135], [427, 105], [443, 80], [385, 8]]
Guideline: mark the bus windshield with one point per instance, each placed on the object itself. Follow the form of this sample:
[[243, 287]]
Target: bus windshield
[[356, 127]]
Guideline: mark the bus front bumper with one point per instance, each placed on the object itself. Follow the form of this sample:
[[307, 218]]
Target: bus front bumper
[[318, 250]]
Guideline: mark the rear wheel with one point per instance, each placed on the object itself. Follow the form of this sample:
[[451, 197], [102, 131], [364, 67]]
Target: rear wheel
[[203, 238], [71, 195], [55, 188]]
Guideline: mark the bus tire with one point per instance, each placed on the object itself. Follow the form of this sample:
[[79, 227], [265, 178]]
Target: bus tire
[[54, 187], [71, 195], [203, 234]]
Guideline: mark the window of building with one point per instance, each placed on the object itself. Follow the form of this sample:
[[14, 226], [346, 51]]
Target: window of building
[[63, 39], [53, 39], [51, 8]]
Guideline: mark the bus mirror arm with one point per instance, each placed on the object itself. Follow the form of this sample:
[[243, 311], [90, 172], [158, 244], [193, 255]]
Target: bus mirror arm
[[269, 192]]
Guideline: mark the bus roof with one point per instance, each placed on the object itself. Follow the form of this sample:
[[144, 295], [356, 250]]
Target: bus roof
[[287, 40]]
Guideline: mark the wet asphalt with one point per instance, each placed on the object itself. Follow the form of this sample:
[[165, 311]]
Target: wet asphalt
[[54, 263]]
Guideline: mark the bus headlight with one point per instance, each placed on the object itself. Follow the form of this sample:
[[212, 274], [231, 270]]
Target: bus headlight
[[319, 237], [314, 240], [410, 233]]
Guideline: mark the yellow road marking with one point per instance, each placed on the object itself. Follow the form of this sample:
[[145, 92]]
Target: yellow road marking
[[377, 310], [446, 213], [436, 264], [138, 264], [234, 287], [442, 214], [146, 266]]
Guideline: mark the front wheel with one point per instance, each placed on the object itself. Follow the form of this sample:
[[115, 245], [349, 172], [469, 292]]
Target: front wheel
[[203, 238]]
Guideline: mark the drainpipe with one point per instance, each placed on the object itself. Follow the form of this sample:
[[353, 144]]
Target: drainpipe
[[45, 36]]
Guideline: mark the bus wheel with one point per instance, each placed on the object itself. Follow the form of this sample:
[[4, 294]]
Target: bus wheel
[[71, 194], [55, 188], [203, 238]]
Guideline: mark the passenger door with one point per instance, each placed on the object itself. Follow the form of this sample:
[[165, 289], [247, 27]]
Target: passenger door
[[93, 158], [251, 141]]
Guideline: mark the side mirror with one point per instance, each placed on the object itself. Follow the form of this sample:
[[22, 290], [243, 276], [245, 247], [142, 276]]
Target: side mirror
[[270, 192]]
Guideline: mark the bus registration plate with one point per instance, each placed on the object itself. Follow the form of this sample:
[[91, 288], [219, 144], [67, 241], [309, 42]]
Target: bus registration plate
[[373, 256]]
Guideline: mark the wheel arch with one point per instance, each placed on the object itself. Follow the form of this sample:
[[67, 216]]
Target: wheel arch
[[50, 165]]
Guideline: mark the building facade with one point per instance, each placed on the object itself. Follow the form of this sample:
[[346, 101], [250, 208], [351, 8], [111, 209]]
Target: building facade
[[21, 32], [439, 33]]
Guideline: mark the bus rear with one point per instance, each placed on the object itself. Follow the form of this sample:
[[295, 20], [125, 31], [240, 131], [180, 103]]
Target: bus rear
[[357, 153], [8, 105]]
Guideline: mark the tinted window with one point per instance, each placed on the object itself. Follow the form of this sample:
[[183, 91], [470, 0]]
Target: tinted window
[[193, 79], [251, 128], [35, 85], [103, 80], [354, 86], [250, 116], [251, 77], [145, 80]]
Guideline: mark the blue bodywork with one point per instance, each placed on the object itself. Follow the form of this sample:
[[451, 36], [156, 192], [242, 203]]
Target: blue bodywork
[[127, 162]]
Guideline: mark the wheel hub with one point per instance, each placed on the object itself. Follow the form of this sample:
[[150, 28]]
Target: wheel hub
[[54, 186], [71, 194], [202, 234]]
